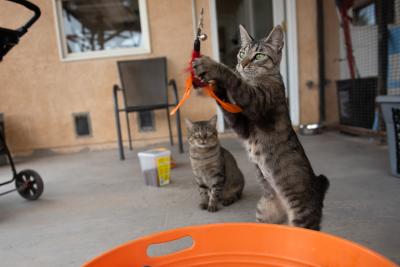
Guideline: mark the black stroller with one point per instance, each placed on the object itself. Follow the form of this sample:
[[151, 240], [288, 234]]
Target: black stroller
[[28, 183]]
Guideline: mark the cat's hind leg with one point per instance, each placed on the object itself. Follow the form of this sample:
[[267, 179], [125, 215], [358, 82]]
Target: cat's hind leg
[[229, 201], [308, 213], [232, 197], [306, 217], [270, 208]]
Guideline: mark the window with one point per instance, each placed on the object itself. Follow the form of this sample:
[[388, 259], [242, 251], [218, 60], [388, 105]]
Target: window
[[365, 12], [101, 28]]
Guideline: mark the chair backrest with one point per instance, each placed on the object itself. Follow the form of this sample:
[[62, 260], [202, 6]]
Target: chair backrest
[[144, 81]]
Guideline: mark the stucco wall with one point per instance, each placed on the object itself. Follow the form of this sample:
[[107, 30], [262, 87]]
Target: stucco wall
[[39, 92]]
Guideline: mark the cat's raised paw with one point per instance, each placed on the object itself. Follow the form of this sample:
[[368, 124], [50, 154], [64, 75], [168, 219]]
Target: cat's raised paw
[[205, 68]]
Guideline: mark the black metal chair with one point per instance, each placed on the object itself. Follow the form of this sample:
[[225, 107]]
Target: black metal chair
[[144, 88]]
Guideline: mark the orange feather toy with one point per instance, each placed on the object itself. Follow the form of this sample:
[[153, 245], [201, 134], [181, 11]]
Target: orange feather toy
[[193, 81]]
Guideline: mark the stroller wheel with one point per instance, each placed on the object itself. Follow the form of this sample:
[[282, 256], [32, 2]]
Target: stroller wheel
[[29, 184]]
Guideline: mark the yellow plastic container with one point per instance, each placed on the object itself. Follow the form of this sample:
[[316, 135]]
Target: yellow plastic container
[[156, 166]]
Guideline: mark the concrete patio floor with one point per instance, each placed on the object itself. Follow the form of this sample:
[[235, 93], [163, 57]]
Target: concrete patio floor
[[93, 202]]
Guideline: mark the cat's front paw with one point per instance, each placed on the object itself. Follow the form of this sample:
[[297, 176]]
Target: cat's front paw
[[203, 206], [205, 68], [212, 208]]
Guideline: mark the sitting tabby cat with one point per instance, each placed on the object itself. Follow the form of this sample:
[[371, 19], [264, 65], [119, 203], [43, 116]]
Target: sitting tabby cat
[[293, 194], [215, 169]]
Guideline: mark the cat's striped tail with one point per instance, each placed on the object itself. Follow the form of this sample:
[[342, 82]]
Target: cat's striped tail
[[323, 185]]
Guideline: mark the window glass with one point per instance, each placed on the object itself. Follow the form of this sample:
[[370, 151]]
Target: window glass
[[101, 26]]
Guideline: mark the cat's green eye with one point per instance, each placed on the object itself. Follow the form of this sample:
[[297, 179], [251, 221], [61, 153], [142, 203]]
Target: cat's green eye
[[260, 56], [241, 54]]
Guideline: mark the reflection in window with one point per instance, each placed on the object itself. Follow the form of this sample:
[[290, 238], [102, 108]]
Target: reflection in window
[[365, 15], [100, 25]]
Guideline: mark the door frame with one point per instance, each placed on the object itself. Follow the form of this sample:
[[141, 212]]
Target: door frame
[[292, 61], [284, 11]]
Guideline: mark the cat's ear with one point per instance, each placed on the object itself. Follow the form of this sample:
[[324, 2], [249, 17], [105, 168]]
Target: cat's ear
[[213, 121], [275, 38], [245, 37], [189, 124]]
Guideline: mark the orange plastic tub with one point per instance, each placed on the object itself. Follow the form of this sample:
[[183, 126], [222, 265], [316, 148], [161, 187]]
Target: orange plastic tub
[[250, 245]]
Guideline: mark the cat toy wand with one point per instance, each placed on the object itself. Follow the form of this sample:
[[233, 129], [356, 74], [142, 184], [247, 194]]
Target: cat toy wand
[[194, 82]]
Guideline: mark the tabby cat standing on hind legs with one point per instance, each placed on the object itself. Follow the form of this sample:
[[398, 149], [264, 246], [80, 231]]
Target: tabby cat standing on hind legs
[[215, 169], [292, 193]]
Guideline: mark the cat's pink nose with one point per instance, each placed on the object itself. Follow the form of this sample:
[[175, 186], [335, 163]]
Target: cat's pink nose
[[245, 62]]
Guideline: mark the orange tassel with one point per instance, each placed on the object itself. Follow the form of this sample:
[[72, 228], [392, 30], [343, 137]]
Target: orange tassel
[[210, 91], [232, 108], [186, 94]]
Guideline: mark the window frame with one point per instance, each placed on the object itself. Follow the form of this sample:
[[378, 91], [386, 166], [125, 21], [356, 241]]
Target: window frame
[[62, 45]]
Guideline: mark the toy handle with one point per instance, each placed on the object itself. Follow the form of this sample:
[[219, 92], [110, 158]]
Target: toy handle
[[134, 253], [196, 82]]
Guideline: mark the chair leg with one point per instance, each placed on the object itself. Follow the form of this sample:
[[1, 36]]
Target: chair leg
[[128, 126], [118, 126], [179, 128], [171, 138]]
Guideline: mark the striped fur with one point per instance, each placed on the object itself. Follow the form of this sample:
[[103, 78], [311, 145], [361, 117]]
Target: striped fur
[[292, 193], [215, 169]]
